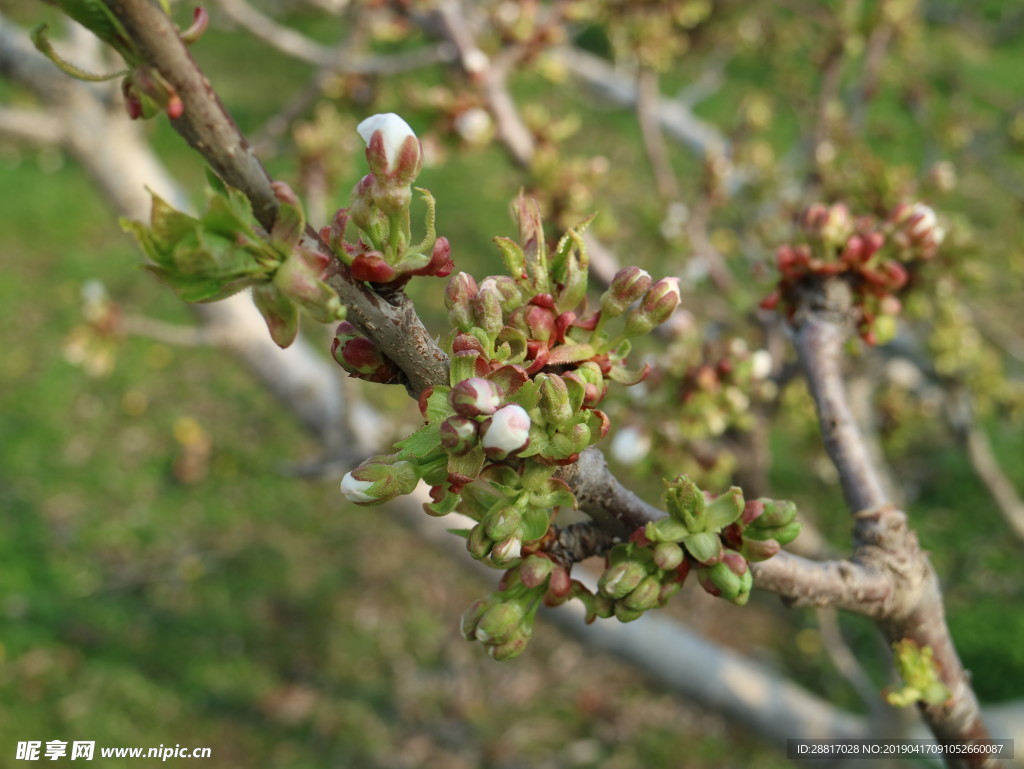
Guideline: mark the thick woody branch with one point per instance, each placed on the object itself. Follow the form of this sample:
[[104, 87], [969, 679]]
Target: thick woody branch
[[611, 505], [883, 540], [393, 326], [819, 339], [29, 126]]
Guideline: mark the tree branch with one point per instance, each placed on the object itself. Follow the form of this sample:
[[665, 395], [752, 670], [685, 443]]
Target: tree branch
[[30, 126], [883, 541], [394, 327]]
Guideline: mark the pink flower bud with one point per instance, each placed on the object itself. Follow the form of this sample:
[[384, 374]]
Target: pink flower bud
[[487, 307], [475, 397], [628, 285], [507, 432], [372, 267], [458, 298], [656, 307], [535, 570], [440, 264]]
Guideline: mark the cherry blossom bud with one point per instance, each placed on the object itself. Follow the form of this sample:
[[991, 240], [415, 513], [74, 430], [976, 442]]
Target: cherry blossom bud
[[392, 149], [458, 435], [379, 479], [487, 307], [500, 622], [507, 432], [536, 570], [668, 555], [554, 398], [644, 596], [628, 285], [458, 298], [502, 523], [656, 307], [475, 397], [506, 551], [621, 579], [360, 357], [471, 618]]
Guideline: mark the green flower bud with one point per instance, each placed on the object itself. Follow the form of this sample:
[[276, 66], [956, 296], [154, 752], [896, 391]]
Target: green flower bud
[[500, 622], [478, 543], [621, 579], [704, 546], [554, 398], [628, 285], [471, 618], [536, 570], [624, 614], [458, 300], [379, 479], [655, 308], [502, 523], [508, 650], [644, 596], [668, 555], [777, 512]]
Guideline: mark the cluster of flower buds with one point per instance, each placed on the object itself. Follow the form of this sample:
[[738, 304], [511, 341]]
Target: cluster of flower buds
[[529, 367], [715, 395], [720, 535], [146, 92], [702, 392], [764, 527], [639, 575], [875, 257], [503, 621], [224, 251], [379, 209], [536, 316]]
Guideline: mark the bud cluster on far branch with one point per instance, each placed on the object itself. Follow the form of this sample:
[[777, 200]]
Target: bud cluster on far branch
[[876, 258]]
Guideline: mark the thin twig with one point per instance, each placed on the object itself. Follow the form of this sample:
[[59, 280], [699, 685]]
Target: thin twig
[[648, 95]]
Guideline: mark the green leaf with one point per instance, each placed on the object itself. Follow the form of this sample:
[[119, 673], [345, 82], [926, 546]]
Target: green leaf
[[536, 521], [723, 509], [423, 442], [438, 407], [469, 464], [513, 257]]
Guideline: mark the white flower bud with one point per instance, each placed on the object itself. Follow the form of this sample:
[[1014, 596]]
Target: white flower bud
[[762, 364], [394, 129], [354, 489], [508, 430]]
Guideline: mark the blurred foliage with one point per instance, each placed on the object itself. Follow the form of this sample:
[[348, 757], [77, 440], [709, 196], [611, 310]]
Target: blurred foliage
[[163, 583]]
